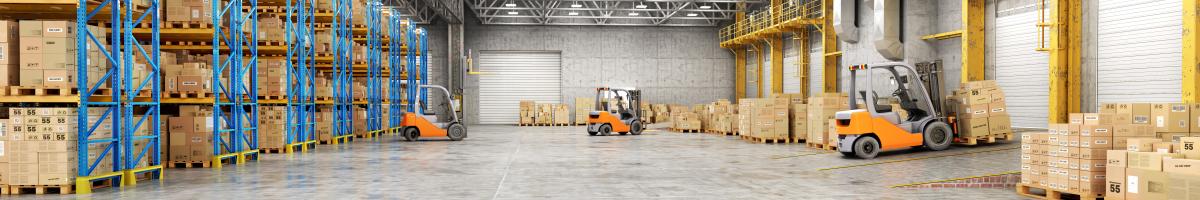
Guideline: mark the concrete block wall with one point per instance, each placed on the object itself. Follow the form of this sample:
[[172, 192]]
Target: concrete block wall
[[677, 65]]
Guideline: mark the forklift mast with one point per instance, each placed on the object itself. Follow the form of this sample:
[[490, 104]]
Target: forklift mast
[[931, 74]]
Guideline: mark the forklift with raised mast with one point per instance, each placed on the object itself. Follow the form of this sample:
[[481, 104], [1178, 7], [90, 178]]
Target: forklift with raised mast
[[865, 132], [621, 115]]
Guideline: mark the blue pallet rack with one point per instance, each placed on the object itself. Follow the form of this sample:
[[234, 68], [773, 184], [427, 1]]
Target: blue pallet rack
[[398, 30], [417, 62], [235, 100], [343, 105], [120, 111], [301, 102], [374, 72]]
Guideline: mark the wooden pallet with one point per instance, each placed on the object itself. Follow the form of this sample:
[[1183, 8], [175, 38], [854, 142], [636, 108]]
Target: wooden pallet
[[189, 94], [822, 146], [272, 97], [771, 140], [686, 130], [798, 141], [185, 43], [733, 133], [988, 139], [520, 124], [1052, 194], [272, 150], [324, 141], [41, 91], [183, 25], [41, 189], [189, 164], [271, 43]]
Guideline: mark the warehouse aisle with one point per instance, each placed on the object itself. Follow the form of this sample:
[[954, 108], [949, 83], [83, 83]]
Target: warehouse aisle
[[509, 162]]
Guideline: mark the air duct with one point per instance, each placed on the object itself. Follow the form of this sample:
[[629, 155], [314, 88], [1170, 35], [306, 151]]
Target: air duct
[[887, 29], [845, 20]]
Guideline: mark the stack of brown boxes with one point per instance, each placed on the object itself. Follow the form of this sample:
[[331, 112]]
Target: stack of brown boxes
[[359, 121], [647, 113], [584, 106], [685, 120], [322, 88], [1071, 157], [528, 112], [272, 77], [187, 11], [8, 54], [40, 146], [1150, 168], [47, 54], [324, 124], [545, 113], [821, 110], [192, 77], [764, 118], [1172, 120], [981, 110], [190, 134], [272, 127], [662, 113], [713, 111], [562, 114], [324, 45], [271, 28]]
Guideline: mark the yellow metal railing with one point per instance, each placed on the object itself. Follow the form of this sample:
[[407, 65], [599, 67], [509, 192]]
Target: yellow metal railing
[[763, 19]]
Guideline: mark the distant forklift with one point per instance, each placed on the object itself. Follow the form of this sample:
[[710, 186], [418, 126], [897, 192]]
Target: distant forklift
[[418, 125], [864, 132], [622, 116]]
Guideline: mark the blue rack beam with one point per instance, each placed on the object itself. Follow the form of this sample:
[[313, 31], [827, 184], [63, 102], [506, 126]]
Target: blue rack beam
[[374, 71], [301, 102], [120, 110], [235, 99], [418, 60], [342, 126], [397, 31]]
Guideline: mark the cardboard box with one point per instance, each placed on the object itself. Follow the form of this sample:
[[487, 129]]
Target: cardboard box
[[31, 77], [1141, 112], [1096, 131], [1075, 118], [1183, 186], [1172, 137], [30, 28], [974, 111], [1115, 183], [1188, 147], [973, 127], [58, 29], [1181, 166], [1146, 184], [1171, 117], [1141, 144], [58, 78], [1097, 118], [1146, 160], [1163, 147], [996, 109], [999, 124]]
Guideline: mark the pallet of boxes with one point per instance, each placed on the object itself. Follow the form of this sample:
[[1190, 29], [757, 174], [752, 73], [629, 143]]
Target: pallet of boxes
[[544, 114], [981, 113], [190, 137], [662, 113], [583, 107], [646, 114], [527, 112], [562, 115], [765, 119], [43, 62], [40, 148], [272, 129], [822, 132], [685, 120], [717, 118]]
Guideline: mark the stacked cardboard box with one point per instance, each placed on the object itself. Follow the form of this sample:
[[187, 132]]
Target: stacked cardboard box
[[764, 118], [545, 113], [47, 54], [1071, 157], [272, 77], [324, 127], [187, 11], [647, 114], [685, 120], [662, 113], [1170, 120], [528, 112], [191, 77], [821, 110], [981, 110], [272, 127], [40, 146], [1153, 169], [8, 53], [712, 111], [322, 87], [190, 134], [584, 106], [359, 121], [271, 28], [562, 114]]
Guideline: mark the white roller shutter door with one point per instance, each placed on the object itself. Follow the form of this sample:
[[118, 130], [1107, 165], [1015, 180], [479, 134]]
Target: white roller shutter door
[[1022, 72], [510, 77], [1140, 50]]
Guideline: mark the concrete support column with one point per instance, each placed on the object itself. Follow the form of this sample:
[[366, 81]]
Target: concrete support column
[[1065, 57]]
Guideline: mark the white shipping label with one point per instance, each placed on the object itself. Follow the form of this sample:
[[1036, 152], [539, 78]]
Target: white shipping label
[[1131, 184], [208, 124], [1101, 141], [2, 53], [1160, 122], [1091, 118], [54, 30], [1, 148], [188, 83], [195, 13], [55, 79]]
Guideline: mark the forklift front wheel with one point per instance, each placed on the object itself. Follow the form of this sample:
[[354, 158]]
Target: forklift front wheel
[[456, 132], [605, 129], [938, 136], [636, 127], [866, 147]]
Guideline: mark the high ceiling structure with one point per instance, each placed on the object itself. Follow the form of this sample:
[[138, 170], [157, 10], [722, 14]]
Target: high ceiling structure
[[605, 12]]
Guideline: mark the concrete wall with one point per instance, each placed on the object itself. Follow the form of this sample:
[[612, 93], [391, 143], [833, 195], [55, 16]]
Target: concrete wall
[[677, 65]]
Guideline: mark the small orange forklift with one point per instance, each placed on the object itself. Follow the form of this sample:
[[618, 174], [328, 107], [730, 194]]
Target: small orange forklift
[[864, 132], [418, 124], [623, 116]]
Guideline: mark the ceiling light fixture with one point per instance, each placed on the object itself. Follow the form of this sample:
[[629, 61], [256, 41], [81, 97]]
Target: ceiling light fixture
[[705, 7], [510, 5], [640, 6], [633, 14], [692, 14], [576, 6], [572, 13], [512, 12]]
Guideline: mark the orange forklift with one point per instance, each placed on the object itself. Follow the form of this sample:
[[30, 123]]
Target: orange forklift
[[622, 116], [419, 124], [864, 132]]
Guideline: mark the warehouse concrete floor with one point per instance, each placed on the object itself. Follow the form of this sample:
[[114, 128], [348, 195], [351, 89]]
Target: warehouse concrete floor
[[509, 162]]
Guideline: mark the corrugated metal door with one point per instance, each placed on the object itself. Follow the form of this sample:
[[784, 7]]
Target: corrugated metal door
[[1021, 71], [791, 57], [512, 76], [1140, 48]]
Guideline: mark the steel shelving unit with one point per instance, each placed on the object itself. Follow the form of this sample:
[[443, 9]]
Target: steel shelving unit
[[397, 33], [119, 111], [235, 100], [301, 100], [343, 40], [416, 70], [374, 71]]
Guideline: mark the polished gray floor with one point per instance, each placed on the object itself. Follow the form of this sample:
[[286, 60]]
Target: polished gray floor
[[509, 162]]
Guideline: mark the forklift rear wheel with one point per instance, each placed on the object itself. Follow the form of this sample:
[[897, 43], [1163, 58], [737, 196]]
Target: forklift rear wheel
[[411, 134], [937, 136], [866, 147], [456, 132], [636, 127], [605, 130]]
